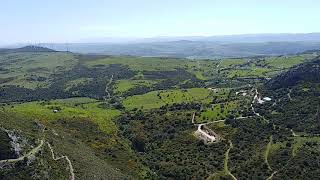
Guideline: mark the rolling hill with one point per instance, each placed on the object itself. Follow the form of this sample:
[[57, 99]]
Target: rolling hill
[[79, 116], [199, 47], [27, 49], [304, 73]]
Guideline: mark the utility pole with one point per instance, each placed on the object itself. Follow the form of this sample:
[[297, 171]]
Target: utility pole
[[67, 47]]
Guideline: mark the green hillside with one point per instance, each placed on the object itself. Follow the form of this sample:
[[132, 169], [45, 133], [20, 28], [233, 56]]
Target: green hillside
[[66, 115]]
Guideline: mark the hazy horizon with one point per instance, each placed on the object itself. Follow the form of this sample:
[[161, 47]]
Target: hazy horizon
[[61, 21]]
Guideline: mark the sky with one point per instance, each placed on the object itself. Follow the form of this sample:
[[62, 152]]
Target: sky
[[31, 21]]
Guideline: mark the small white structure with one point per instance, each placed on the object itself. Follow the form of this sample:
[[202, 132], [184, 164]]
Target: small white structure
[[212, 89], [55, 110], [242, 92], [267, 99]]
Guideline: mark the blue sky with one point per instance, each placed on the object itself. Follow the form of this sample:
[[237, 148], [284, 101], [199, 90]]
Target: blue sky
[[73, 20]]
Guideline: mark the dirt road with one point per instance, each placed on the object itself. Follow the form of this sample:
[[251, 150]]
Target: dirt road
[[226, 159], [108, 86], [72, 176], [28, 155]]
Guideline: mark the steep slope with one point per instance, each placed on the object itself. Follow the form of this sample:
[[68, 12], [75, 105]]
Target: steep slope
[[307, 72], [92, 153], [294, 113]]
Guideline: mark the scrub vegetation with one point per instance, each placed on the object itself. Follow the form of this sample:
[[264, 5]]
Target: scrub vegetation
[[123, 117]]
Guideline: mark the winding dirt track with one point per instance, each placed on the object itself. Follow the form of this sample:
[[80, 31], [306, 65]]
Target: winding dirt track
[[63, 157], [107, 87], [35, 150], [293, 133], [256, 98], [271, 176], [28, 155], [289, 95], [193, 116], [226, 168], [268, 151]]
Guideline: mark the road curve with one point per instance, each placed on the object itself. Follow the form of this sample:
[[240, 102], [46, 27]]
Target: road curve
[[29, 154], [72, 176]]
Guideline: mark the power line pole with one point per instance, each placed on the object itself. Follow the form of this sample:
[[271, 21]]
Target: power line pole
[[67, 47]]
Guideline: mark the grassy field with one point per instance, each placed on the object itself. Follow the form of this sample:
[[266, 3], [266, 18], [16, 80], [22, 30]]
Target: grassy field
[[188, 95], [260, 67], [141, 63], [127, 84], [156, 99], [218, 111], [101, 139], [284, 62], [24, 67], [300, 141], [201, 68], [82, 131], [146, 101], [252, 72], [231, 62], [77, 82], [38, 62], [83, 108]]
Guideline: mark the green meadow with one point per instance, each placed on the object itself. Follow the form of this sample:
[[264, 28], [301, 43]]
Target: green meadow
[[156, 99], [83, 108]]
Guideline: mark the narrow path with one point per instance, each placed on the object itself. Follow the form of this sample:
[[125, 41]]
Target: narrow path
[[35, 150], [63, 157], [253, 101], [241, 117], [267, 152], [289, 95], [226, 168], [107, 87], [222, 120], [293, 133], [28, 155], [271, 176], [193, 116], [245, 117], [270, 138], [256, 98], [226, 159]]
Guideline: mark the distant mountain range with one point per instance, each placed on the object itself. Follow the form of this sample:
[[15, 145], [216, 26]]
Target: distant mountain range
[[190, 49], [197, 46], [242, 38]]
